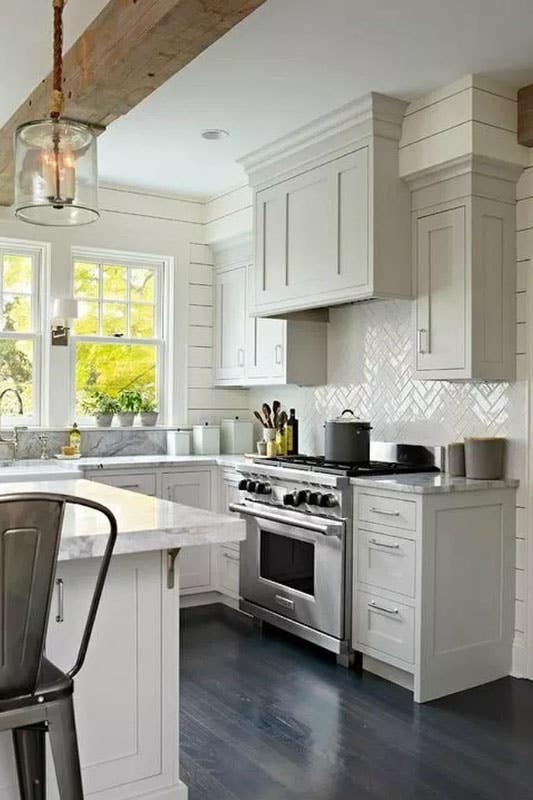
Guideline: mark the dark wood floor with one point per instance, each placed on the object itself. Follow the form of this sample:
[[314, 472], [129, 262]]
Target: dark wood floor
[[267, 717]]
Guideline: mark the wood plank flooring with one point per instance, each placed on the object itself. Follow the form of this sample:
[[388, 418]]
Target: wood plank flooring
[[268, 717]]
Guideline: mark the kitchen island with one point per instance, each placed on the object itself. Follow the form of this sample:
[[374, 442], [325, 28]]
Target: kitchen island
[[126, 696]]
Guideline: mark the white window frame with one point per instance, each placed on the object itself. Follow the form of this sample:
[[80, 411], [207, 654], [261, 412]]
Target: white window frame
[[163, 299], [39, 252]]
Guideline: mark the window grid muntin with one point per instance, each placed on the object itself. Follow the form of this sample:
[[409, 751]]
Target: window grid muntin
[[101, 300]]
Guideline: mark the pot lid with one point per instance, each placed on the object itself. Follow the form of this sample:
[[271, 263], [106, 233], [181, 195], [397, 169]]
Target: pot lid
[[348, 416]]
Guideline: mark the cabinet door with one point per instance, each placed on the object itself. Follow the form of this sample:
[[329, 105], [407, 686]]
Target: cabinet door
[[265, 342], [230, 316], [441, 309], [312, 236], [135, 482], [191, 489], [120, 696]]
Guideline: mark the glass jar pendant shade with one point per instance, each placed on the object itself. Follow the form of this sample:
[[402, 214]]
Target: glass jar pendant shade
[[56, 176], [56, 173]]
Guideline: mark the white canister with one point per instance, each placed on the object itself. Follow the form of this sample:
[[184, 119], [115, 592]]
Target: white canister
[[179, 442], [206, 440], [236, 436]]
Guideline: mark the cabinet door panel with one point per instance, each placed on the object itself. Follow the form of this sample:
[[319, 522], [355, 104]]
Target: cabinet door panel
[[191, 489], [118, 696], [271, 240], [230, 315], [441, 300], [351, 174], [265, 342]]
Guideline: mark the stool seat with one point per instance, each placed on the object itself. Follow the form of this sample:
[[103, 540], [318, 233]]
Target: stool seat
[[52, 684]]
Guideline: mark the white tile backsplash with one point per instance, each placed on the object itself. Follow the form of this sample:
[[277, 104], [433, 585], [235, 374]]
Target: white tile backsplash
[[370, 370]]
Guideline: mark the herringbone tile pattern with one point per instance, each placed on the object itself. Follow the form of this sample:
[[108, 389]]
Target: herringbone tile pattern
[[370, 369]]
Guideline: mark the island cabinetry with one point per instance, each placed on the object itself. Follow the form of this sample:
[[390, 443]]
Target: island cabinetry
[[433, 587], [143, 482]]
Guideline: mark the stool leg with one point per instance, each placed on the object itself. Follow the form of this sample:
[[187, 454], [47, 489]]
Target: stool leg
[[64, 744], [29, 746]]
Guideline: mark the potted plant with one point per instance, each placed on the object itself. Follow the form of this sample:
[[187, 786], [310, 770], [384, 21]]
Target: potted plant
[[148, 411], [102, 407], [129, 401]]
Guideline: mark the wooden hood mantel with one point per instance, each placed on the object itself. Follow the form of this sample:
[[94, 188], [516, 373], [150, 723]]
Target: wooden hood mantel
[[128, 51]]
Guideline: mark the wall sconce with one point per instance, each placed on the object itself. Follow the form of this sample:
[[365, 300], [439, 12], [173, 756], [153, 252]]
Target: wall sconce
[[64, 309]]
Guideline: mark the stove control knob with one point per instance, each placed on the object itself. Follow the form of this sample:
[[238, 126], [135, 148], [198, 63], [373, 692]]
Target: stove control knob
[[251, 486], [328, 501], [315, 498], [263, 488], [299, 497], [307, 497], [243, 485], [289, 499]]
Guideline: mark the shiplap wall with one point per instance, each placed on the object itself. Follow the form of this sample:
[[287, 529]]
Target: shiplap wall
[[205, 404]]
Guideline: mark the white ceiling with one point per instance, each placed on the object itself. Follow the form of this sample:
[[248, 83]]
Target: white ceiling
[[289, 62]]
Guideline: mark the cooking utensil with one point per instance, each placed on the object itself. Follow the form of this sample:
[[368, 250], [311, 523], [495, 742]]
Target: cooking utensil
[[347, 439], [258, 416], [276, 405], [282, 420], [267, 413]]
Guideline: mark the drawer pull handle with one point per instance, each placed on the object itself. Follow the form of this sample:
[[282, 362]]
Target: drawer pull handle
[[385, 513], [284, 601], [377, 607], [384, 544], [230, 558]]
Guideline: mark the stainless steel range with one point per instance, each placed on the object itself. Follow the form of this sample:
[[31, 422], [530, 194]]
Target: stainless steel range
[[296, 566]]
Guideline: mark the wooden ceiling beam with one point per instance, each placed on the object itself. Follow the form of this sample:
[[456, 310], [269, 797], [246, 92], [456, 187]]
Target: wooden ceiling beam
[[128, 51], [525, 116]]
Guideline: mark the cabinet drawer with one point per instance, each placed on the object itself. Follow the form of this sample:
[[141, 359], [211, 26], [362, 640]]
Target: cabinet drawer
[[386, 626], [388, 511], [386, 561], [228, 571], [134, 482]]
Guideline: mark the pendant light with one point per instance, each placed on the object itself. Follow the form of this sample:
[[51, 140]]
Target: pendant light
[[55, 159]]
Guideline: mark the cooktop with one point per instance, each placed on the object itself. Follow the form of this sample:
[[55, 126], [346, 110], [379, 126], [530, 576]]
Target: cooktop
[[319, 464]]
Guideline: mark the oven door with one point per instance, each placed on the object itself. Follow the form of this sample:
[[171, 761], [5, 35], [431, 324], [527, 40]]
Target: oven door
[[293, 564]]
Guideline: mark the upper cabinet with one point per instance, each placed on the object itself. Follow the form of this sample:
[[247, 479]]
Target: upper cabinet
[[464, 272], [331, 214], [253, 351]]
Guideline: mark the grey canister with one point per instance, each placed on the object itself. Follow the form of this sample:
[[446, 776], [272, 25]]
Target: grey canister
[[485, 458], [455, 459]]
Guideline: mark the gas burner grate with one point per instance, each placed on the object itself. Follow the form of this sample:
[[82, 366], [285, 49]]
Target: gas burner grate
[[319, 464]]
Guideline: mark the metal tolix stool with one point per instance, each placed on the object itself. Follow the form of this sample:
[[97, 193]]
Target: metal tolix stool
[[36, 696]]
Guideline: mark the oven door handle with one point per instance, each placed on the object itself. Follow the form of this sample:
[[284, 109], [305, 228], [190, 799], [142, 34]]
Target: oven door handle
[[325, 530]]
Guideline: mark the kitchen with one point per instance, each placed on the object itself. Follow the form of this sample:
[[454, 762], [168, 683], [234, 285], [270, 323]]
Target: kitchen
[[373, 257]]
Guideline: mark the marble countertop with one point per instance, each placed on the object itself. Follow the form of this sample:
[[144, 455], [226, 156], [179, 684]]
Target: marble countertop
[[130, 462], [431, 483], [144, 523]]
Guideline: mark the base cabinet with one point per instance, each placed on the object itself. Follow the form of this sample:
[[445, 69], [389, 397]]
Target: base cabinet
[[126, 695], [191, 489], [433, 594]]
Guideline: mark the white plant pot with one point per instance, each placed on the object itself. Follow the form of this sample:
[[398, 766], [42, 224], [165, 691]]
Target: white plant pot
[[103, 420], [125, 419]]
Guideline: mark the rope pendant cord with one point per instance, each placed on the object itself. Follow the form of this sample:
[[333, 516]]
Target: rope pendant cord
[[57, 99]]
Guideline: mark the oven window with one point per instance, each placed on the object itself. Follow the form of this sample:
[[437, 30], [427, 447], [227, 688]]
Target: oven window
[[287, 561]]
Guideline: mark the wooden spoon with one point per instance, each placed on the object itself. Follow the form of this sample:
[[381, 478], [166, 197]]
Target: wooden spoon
[[267, 413], [258, 416], [276, 405]]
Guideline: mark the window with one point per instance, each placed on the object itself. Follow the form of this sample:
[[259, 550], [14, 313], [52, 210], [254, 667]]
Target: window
[[117, 339], [21, 326]]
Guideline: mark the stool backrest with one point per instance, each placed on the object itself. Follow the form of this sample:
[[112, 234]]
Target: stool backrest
[[30, 534]]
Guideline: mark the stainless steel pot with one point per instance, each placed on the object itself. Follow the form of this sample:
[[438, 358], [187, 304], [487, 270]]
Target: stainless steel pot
[[347, 439]]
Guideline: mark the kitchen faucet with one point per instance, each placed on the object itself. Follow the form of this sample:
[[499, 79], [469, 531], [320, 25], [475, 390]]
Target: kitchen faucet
[[13, 440]]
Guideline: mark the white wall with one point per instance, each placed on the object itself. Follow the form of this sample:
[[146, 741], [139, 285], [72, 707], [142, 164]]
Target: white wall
[[143, 223]]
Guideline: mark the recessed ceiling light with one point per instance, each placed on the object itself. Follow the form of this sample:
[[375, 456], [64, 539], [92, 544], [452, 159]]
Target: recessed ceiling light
[[213, 134]]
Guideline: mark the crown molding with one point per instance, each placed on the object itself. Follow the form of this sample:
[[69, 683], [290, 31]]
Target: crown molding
[[373, 114], [464, 165]]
